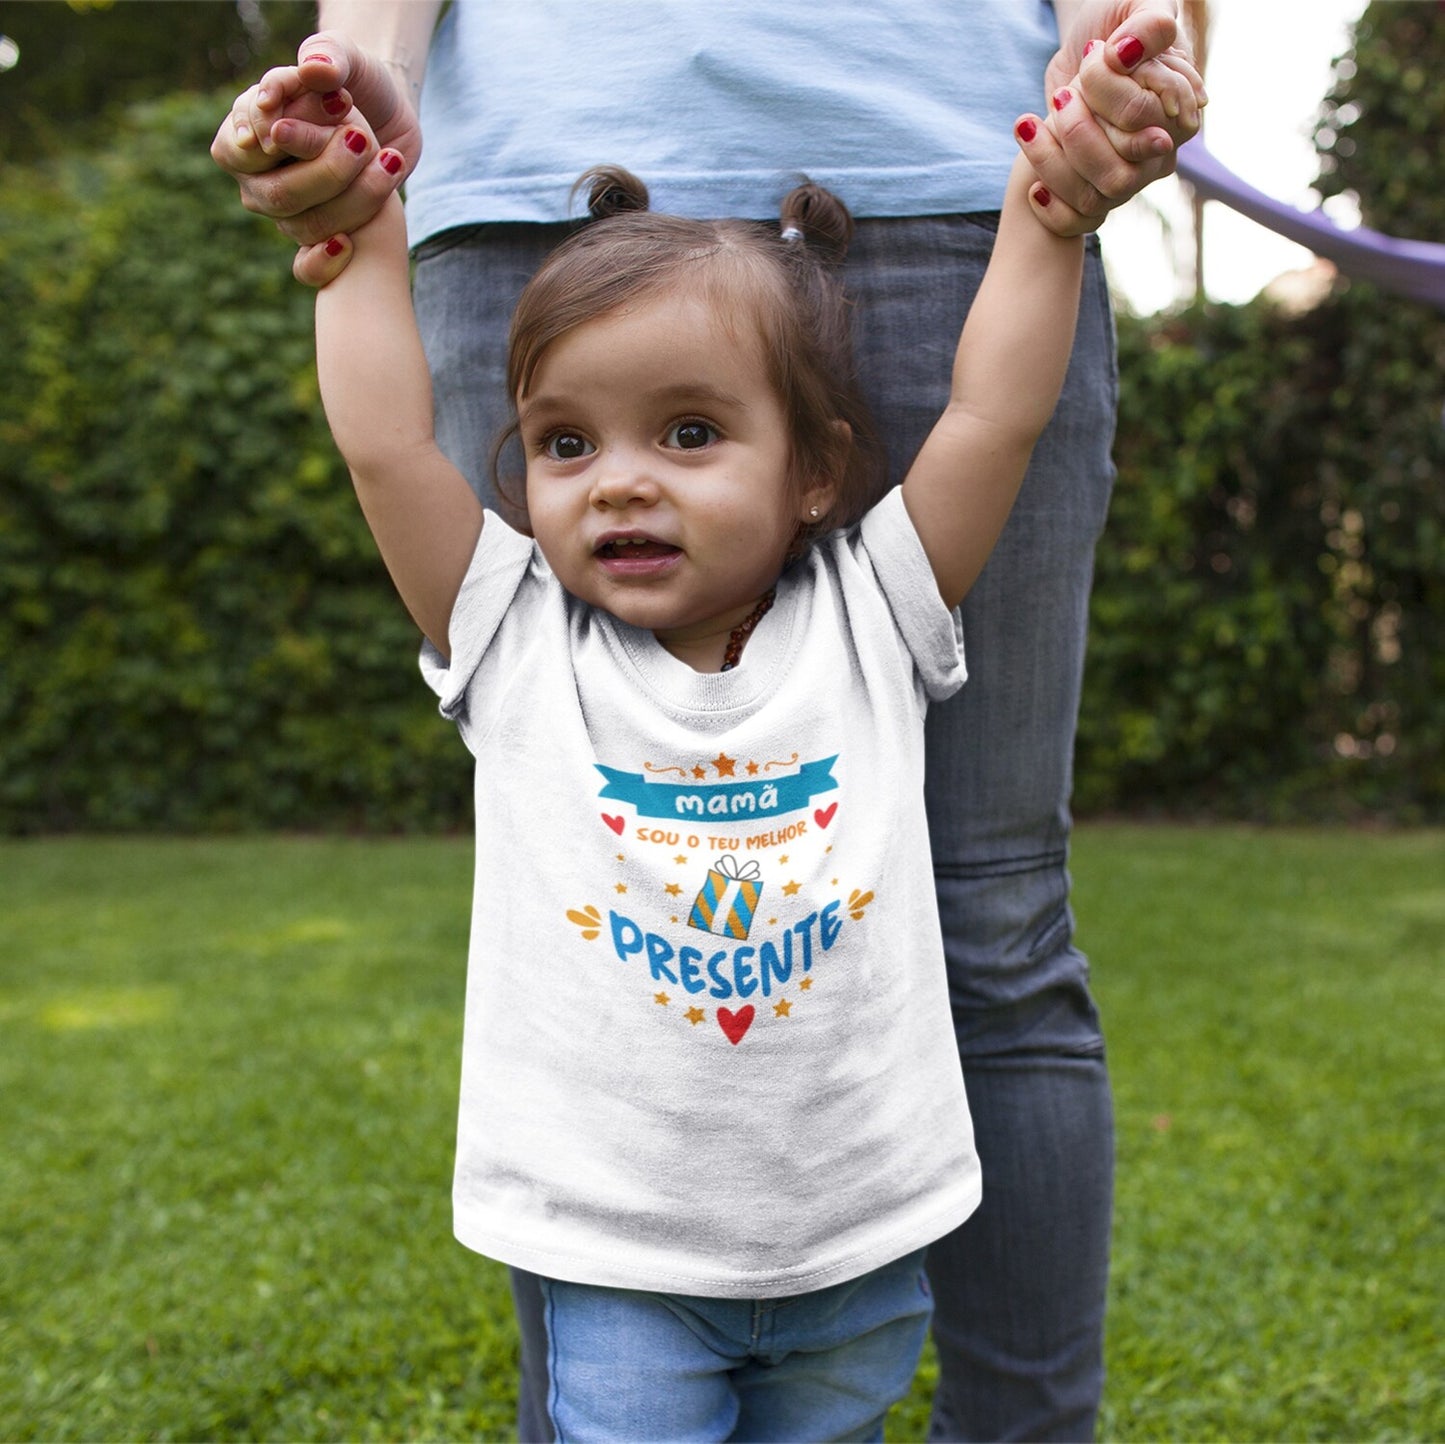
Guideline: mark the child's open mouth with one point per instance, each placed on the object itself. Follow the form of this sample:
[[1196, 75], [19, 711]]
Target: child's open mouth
[[635, 549]]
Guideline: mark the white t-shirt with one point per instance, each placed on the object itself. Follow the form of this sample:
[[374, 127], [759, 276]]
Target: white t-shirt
[[901, 109], [708, 1045]]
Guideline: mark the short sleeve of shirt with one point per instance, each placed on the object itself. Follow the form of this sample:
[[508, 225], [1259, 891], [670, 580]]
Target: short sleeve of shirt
[[503, 578], [932, 633]]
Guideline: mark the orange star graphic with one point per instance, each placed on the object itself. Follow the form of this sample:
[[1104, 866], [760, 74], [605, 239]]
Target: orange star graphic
[[806, 984], [752, 769], [725, 765], [661, 999], [784, 858], [680, 861], [695, 1016], [622, 887], [782, 1008], [673, 890], [790, 889], [700, 772]]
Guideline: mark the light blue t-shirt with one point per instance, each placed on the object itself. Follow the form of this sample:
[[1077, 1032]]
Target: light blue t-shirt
[[902, 109]]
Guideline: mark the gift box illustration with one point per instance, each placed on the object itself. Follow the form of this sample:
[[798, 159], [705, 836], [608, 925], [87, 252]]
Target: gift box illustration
[[728, 899]]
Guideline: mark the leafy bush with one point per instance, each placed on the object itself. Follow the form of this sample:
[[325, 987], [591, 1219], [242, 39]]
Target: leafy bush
[[196, 628], [1271, 591], [1379, 131], [1271, 586], [80, 60], [1207, 638]]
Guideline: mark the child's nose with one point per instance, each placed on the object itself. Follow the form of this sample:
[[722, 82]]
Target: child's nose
[[623, 477]]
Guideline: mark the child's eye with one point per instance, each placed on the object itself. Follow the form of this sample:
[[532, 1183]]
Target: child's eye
[[690, 435], [567, 446]]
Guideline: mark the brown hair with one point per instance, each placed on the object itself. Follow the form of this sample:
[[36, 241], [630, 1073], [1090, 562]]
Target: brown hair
[[781, 280]]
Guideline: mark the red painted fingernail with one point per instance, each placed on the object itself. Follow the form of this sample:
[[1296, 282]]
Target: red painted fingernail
[[334, 103], [1091, 46], [1130, 51], [319, 59], [390, 162], [1026, 131], [1042, 196], [1062, 98], [335, 246], [355, 141]]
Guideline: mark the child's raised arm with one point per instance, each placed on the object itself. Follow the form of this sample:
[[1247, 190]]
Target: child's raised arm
[[1007, 375], [377, 392]]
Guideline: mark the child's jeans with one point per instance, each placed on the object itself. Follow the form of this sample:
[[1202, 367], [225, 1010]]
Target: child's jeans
[[629, 1366]]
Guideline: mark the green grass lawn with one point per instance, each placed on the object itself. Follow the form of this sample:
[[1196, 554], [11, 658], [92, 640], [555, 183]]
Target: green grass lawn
[[229, 1073]]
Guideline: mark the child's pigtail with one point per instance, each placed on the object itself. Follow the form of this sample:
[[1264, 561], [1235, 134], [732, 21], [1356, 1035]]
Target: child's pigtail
[[815, 228], [610, 191], [816, 218]]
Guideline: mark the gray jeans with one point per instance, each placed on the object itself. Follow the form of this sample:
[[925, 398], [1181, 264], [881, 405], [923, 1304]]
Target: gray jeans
[[1019, 1289]]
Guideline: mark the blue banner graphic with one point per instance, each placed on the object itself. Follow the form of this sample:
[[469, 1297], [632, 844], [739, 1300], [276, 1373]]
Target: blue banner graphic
[[680, 801]]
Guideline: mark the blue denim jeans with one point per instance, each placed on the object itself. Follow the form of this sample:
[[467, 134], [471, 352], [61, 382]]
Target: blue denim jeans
[[1019, 1289], [629, 1366]]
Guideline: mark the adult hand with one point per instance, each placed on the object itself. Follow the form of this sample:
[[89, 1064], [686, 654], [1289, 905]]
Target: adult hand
[[1122, 95], [295, 147]]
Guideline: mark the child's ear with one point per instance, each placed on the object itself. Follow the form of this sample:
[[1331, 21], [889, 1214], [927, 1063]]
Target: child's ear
[[818, 500]]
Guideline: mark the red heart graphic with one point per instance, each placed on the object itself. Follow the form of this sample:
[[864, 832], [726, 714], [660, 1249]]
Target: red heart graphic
[[824, 815], [615, 823], [736, 1024]]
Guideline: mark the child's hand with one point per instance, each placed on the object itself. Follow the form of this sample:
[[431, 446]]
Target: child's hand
[[1133, 62], [282, 116], [1122, 95], [303, 142], [1039, 140], [320, 264]]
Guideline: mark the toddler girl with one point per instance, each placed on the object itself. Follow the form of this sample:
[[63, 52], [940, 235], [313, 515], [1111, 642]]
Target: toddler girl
[[710, 1089]]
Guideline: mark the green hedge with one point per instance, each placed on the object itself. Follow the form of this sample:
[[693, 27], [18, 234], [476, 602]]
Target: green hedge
[[195, 626], [1269, 604], [197, 633]]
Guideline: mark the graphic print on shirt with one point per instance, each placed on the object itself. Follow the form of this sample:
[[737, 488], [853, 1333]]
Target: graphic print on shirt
[[725, 900]]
